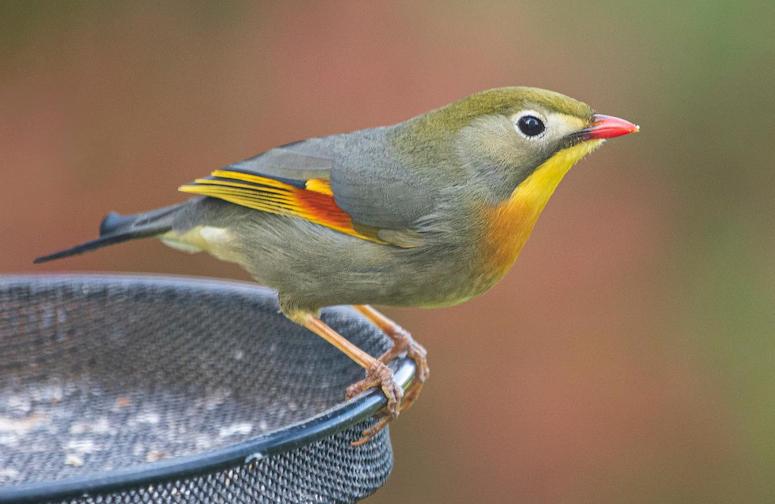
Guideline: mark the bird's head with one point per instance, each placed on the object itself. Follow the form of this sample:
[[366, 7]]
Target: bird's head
[[502, 136]]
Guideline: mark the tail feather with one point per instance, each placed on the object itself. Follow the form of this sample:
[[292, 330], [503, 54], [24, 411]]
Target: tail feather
[[103, 241], [113, 221], [116, 228]]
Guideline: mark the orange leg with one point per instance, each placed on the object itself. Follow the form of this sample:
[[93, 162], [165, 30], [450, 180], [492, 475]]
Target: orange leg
[[402, 343], [378, 375]]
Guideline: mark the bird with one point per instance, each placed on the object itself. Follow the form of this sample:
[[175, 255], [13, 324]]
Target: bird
[[428, 212]]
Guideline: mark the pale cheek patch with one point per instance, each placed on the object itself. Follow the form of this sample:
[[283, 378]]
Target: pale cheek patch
[[562, 124]]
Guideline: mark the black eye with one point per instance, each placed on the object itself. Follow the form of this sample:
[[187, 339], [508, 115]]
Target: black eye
[[531, 125]]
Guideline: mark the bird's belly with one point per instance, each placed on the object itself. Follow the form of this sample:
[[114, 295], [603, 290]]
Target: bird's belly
[[440, 279]]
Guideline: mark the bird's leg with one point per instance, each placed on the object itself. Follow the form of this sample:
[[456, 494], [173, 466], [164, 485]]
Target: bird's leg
[[378, 375], [402, 343]]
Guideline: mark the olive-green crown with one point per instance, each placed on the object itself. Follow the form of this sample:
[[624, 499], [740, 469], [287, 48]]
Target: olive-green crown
[[506, 101]]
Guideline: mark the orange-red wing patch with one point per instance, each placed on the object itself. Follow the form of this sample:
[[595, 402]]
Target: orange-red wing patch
[[311, 200]]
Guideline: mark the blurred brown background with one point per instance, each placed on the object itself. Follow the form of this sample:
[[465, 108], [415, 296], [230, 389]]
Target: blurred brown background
[[630, 354]]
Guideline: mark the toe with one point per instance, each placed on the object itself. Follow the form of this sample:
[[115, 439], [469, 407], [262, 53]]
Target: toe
[[368, 434], [394, 393], [420, 357]]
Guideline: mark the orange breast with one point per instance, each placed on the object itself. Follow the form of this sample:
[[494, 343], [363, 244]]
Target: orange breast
[[508, 227], [510, 223]]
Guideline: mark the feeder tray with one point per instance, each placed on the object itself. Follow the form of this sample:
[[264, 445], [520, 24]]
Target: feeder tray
[[125, 389]]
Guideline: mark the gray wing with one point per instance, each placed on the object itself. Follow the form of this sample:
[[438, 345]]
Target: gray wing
[[367, 178], [298, 161]]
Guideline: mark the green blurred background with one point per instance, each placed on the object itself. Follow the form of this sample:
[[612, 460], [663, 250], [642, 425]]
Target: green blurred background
[[630, 354]]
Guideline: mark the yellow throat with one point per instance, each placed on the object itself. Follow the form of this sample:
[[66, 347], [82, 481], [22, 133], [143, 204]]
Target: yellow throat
[[512, 221]]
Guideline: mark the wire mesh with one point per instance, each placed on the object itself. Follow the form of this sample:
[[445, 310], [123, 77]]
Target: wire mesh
[[147, 389]]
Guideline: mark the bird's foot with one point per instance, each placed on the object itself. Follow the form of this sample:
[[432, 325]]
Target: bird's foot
[[378, 376], [403, 343]]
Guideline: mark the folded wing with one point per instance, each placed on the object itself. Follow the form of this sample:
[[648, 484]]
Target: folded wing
[[310, 199]]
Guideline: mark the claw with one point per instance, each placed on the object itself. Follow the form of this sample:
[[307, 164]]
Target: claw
[[378, 375], [405, 344], [368, 434], [419, 355]]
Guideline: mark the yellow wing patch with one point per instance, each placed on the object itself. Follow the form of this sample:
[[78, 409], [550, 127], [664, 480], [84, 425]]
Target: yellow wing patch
[[311, 200]]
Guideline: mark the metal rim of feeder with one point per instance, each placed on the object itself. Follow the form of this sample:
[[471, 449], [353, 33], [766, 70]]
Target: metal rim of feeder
[[331, 421]]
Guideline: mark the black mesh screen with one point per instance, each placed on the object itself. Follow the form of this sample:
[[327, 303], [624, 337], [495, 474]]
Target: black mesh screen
[[105, 374]]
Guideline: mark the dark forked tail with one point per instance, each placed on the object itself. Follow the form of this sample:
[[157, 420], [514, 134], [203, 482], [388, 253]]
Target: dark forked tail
[[116, 228]]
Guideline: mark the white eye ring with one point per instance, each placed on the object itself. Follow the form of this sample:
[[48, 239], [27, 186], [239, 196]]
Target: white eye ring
[[530, 124]]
